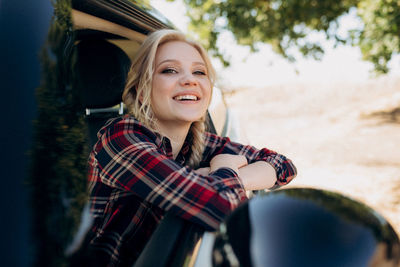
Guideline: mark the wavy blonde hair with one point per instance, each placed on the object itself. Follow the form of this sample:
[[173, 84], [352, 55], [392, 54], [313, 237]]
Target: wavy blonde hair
[[137, 92]]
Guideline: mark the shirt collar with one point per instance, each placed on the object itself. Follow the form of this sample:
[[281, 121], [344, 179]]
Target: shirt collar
[[164, 144]]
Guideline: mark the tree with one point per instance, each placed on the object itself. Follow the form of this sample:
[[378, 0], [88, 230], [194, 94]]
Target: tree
[[59, 151], [285, 26]]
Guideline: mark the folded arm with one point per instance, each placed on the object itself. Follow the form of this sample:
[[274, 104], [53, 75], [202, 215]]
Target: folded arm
[[265, 167], [131, 163], [257, 176]]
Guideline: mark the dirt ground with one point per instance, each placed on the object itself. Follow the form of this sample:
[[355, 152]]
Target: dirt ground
[[341, 137]]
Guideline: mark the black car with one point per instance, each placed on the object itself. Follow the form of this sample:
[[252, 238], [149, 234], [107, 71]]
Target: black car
[[114, 30], [84, 62]]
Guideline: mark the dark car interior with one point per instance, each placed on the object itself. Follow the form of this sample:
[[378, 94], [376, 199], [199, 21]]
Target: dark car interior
[[101, 70], [99, 42]]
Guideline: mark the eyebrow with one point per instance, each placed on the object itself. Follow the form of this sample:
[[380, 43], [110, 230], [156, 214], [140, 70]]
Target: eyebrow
[[176, 61]]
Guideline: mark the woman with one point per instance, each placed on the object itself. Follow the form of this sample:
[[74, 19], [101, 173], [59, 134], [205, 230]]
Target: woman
[[159, 158]]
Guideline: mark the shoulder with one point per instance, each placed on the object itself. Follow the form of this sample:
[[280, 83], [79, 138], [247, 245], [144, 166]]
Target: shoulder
[[214, 143], [211, 137], [126, 128], [125, 123]]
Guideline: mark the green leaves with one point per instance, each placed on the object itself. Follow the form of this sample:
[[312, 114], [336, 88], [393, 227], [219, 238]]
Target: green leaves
[[285, 25], [380, 38]]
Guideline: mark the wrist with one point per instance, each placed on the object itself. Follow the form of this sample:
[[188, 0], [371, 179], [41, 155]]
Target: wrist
[[215, 168], [229, 172]]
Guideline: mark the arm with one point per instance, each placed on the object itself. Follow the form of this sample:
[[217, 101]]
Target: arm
[[129, 161], [257, 176], [254, 176], [284, 169]]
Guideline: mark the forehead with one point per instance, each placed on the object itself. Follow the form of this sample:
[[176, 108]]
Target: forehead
[[177, 51]]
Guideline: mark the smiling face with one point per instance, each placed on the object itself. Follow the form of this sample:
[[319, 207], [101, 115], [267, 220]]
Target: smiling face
[[181, 89]]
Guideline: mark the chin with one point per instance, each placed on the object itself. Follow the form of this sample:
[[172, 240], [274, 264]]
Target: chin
[[192, 117], [193, 120]]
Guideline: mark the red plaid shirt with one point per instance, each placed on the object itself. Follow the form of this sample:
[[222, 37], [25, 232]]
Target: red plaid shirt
[[134, 180]]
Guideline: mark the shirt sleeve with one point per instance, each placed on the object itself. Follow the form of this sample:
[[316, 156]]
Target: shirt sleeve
[[285, 169], [129, 161]]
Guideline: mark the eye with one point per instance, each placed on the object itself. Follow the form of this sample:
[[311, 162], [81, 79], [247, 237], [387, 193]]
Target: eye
[[199, 72], [169, 70]]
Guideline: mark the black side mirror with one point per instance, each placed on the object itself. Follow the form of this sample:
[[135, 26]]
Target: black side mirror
[[305, 227]]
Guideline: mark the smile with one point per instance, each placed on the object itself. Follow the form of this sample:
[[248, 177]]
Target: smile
[[186, 98]]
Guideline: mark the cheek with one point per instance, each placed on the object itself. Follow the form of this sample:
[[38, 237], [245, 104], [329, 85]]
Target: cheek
[[158, 90], [155, 86], [207, 91], [156, 100]]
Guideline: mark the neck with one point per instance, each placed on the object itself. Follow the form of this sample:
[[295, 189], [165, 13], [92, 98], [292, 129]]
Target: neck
[[176, 133]]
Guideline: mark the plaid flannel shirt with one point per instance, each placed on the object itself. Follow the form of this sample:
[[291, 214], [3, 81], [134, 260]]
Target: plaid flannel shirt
[[134, 180]]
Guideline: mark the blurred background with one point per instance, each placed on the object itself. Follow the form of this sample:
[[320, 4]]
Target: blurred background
[[318, 81], [315, 80]]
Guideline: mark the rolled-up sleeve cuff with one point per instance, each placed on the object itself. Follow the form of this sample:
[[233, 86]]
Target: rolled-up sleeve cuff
[[285, 173], [227, 178]]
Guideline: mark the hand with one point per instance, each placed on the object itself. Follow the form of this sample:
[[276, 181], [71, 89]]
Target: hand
[[228, 161], [203, 171]]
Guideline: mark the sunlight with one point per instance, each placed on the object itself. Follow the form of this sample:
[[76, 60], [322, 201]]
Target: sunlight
[[318, 113], [340, 64]]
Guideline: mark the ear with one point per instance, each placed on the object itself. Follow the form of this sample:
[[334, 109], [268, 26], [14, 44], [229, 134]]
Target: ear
[[141, 97], [136, 96]]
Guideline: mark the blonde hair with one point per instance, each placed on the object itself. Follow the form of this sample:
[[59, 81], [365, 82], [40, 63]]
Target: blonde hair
[[137, 92]]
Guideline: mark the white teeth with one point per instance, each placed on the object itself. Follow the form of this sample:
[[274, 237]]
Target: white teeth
[[185, 97]]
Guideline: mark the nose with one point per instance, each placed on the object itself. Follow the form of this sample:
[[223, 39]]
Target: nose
[[188, 79]]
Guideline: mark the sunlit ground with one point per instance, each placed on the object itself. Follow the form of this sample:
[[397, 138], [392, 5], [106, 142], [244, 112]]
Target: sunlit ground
[[328, 130], [342, 137]]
